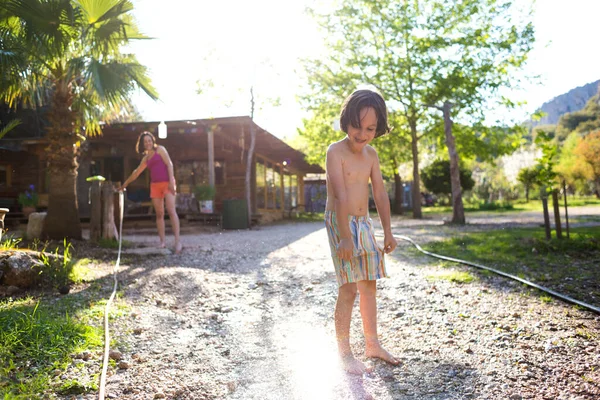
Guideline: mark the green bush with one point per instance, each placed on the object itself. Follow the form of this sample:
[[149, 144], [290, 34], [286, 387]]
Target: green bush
[[495, 206], [204, 192]]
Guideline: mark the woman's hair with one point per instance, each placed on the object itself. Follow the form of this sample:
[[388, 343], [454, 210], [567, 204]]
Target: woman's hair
[[139, 146], [364, 98]]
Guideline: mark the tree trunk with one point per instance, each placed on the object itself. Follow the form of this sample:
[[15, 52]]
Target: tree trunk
[[250, 159], [458, 211], [398, 192], [416, 186], [544, 196], [527, 193], [62, 219]]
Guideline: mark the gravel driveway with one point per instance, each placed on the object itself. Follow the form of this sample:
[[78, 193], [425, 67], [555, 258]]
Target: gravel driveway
[[249, 315]]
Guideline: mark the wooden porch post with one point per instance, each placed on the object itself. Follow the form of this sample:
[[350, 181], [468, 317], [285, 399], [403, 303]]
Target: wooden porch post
[[282, 190], [300, 187], [211, 157], [109, 229]]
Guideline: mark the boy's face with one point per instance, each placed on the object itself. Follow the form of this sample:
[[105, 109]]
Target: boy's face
[[360, 137]]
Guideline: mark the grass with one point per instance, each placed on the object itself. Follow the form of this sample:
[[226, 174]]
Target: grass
[[37, 338], [308, 217], [452, 276], [113, 243], [518, 205], [40, 336], [569, 266]]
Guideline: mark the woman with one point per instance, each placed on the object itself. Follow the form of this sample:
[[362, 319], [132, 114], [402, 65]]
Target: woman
[[162, 184]]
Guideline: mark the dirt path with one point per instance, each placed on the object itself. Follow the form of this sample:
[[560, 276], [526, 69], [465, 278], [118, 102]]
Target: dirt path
[[249, 315]]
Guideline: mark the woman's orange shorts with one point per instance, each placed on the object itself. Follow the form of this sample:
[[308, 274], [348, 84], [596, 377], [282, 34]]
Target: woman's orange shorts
[[158, 190]]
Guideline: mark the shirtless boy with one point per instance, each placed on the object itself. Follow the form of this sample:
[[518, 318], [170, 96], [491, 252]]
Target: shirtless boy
[[357, 258]]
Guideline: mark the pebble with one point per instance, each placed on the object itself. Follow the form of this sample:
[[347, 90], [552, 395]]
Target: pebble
[[485, 319]]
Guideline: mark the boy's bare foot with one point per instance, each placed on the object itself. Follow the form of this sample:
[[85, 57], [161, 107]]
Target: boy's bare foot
[[376, 351], [162, 245], [178, 248], [353, 366]]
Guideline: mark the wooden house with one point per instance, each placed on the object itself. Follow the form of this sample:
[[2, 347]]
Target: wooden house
[[204, 151]]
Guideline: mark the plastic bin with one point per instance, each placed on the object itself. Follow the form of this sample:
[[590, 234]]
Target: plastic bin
[[235, 214]]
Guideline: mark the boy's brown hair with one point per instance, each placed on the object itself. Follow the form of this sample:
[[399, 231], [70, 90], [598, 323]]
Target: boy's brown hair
[[358, 100], [139, 146]]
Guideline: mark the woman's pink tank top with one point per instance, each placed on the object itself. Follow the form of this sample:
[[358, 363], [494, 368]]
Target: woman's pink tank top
[[158, 169]]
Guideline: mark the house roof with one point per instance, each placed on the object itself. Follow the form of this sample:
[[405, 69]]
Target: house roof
[[266, 143]]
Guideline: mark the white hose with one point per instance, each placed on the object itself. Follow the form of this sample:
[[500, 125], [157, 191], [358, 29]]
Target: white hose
[[108, 304]]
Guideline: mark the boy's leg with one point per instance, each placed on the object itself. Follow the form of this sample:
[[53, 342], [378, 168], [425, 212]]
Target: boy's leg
[[171, 209], [368, 312], [159, 210], [343, 314]]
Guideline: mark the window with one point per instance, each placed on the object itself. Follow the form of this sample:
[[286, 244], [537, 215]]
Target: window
[[291, 192], [261, 183], [269, 186], [219, 172], [277, 188], [196, 172], [5, 175]]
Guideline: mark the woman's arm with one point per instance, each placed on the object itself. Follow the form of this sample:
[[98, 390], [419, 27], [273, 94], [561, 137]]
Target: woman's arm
[[167, 160], [134, 175]]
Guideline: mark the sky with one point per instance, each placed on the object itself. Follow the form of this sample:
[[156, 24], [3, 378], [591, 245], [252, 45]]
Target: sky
[[222, 48]]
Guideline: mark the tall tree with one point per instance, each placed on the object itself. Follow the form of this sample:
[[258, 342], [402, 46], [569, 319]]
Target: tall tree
[[67, 54], [572, 167], [528, 178], [419, 53], [436, 178], [589, 149]]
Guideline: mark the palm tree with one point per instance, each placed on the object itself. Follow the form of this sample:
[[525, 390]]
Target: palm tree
[[66, 54]]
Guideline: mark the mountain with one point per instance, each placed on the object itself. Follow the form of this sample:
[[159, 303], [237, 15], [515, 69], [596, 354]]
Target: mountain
[[573, 100]]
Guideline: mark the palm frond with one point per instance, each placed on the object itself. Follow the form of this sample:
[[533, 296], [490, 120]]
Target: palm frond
[[102, 10], [116, 79], [44, 24], [48, 44], [9, 127]]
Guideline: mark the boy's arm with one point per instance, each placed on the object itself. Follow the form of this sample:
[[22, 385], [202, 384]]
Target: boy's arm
[[335, 178], [382, 202]]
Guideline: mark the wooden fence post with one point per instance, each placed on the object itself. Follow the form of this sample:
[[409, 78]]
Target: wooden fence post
[[118, 210], [109, 230], [96, 210], [557, 223], [566, 210], [544, 197]]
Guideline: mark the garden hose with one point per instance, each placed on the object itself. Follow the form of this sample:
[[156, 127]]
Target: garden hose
[[109, 302], [516, 278]]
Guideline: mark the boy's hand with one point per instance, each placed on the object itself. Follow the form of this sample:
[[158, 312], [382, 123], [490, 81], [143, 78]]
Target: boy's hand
[[389, 244], [345, 248]]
